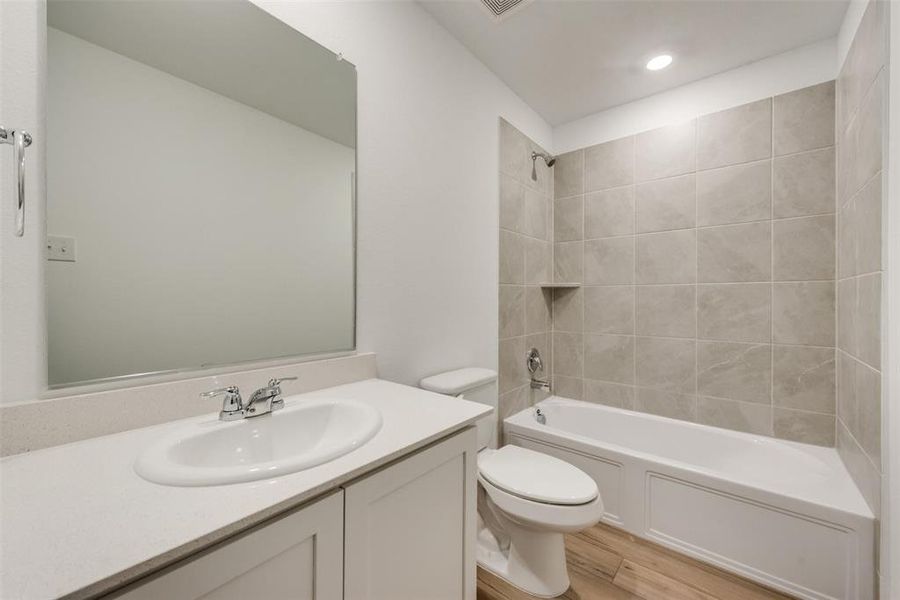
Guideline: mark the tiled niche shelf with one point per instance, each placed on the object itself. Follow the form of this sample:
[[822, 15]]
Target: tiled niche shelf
[[564, 285]]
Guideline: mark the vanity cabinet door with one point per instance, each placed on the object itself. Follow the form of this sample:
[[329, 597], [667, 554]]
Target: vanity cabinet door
[[409, 529], [296, 557]]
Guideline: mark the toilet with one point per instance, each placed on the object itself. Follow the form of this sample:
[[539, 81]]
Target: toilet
[[527, 500]]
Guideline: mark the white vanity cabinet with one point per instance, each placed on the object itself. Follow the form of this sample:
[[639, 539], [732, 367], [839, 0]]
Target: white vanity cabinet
[[409, 529], [404, 532], [295, 557]]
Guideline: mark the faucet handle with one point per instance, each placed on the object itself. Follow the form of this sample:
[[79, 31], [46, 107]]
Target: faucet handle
[[276, 382], [232, 401], [231, 389]]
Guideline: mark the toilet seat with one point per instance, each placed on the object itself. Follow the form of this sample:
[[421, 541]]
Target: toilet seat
[[536, 477]]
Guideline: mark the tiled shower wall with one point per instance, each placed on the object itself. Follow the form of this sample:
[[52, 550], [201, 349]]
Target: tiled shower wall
[[707, 257], [861, 97], [526, 256]]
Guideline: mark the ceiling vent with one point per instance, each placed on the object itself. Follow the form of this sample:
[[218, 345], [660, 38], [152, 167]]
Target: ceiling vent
[[501, 9]]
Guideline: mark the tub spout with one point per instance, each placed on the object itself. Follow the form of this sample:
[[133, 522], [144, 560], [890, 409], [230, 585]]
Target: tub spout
[[540, 384]]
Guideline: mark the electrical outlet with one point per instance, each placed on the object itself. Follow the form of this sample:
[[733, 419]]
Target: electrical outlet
[[60, 248]]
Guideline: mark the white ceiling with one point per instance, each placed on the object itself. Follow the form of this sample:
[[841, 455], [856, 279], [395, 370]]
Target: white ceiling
[[230, 47], [569, 59]]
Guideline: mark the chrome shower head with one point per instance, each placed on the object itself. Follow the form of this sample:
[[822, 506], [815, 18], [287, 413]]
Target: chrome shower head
[[548, 160]]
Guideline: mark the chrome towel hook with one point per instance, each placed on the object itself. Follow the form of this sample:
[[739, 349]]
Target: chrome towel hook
[[19, 140]]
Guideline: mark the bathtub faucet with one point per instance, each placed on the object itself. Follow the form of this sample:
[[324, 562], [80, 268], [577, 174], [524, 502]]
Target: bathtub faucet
[[540, 384]]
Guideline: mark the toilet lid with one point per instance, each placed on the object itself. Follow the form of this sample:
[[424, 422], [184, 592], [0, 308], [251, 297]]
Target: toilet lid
[[536, 476]]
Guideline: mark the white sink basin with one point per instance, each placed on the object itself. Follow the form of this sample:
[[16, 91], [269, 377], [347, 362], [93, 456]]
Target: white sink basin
[[306, 433]]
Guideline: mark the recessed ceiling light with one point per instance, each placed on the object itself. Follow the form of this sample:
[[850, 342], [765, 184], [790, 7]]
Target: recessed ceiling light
[[659, 62]]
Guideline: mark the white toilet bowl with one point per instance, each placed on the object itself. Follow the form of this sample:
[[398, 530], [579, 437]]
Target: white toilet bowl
[[527, 501]]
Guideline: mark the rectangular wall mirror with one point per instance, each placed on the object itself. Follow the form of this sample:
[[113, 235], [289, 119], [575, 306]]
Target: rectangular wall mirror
[[201, 161]]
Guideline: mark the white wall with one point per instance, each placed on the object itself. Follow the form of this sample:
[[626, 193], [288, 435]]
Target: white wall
[[428, 192], [428, 183], [798, 68], [207, 231]]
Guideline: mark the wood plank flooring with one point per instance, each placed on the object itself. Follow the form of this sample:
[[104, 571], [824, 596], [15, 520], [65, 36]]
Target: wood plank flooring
[[606, 563]]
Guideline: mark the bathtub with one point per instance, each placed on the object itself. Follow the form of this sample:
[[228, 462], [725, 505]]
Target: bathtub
[[781, 513]]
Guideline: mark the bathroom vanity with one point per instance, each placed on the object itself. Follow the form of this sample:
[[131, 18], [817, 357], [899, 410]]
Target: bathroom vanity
[[394, 518]]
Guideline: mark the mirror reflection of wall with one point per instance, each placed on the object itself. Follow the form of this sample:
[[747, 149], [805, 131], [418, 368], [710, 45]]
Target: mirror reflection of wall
[[200, 210]]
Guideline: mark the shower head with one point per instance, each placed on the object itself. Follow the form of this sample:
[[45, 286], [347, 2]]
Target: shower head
[[549, 160]]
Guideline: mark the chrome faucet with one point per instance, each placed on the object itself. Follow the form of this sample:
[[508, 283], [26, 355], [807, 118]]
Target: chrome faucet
[[535, 363], [233, 407], [269, 396]]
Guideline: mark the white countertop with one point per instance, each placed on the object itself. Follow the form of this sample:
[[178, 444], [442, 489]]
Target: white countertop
[[77, 521]]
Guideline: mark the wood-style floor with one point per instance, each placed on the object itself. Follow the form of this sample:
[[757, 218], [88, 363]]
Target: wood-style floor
[[608, 564]]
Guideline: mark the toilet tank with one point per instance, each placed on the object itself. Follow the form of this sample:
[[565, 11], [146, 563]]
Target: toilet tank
[[476, 385]]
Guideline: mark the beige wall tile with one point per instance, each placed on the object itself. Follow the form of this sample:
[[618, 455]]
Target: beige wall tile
[[865, 474], [609, 309], [568, 262], [847, 311], [568, 174], [609, 358], [568, 310], [666, 404], [568, 219], [668, 257], [609, 213], [666, 310], [735, 194], [863, 61], [735, 371], [804, 378], [666, 364], [846, 406], [731, 414], [536, 215], [512, 402], [737, 135], [512, 198], [515, 152], [862, 142], [609, 165], [868, 402], [804, 119], [868, 319], [512, 258], [512, 364], [665, 152], [803, 313], [803, 184], [538, 260], [803, 248], [847, 240], [806, 427], [538, 303], [610, 394], [568, 387], [866, 225], [568, 354], [739, 312], [609, 261], [512, 311], [735, 253], [665, 204]]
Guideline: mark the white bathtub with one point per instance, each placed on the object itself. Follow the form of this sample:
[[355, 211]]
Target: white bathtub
[[781, 513]]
